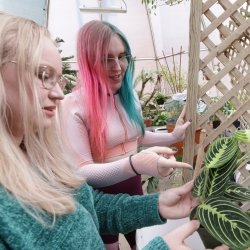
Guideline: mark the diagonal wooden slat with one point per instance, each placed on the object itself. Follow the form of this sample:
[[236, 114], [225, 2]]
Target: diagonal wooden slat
[[219, 20], [232, 54]]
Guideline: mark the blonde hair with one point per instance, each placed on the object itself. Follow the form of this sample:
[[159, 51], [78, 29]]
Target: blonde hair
[[44, 180]]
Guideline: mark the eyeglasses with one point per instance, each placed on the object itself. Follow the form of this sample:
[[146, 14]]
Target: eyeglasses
[[123, 60], [49, 77]]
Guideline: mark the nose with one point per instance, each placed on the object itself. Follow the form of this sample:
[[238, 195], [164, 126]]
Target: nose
[[56, 93], [116, 64]]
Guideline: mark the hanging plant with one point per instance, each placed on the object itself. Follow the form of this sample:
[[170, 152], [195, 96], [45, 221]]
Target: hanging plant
[[153, 4]]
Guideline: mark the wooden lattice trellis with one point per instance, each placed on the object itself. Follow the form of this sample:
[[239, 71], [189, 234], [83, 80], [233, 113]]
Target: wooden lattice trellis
[[231, 82]]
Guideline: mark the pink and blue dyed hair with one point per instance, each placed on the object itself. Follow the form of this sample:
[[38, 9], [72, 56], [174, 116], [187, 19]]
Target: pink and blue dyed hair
[[92, 46]]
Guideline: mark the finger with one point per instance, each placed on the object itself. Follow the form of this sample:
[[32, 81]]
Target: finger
[[163, 162], [186, 124], [195, 202], [161, 150], [171, 157], [222, 247], [183, 112], [184, 189], [186, 230]]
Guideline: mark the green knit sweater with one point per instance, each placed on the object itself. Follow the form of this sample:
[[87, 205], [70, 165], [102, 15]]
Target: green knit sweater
[[95, 213]]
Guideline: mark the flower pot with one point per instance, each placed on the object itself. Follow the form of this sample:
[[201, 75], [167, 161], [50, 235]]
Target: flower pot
[[160, 101], [208, 240], [148, 122], [179, 145]]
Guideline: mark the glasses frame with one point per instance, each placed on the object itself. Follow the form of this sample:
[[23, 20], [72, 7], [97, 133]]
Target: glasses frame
[[62, 81], [112, 61]]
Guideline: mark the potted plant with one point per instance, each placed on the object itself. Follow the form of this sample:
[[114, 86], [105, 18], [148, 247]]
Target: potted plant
[[160, 119], [148, 113], [219, 210], [160, 98]]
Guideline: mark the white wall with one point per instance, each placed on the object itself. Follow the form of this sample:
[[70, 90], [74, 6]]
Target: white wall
[[65, 19]]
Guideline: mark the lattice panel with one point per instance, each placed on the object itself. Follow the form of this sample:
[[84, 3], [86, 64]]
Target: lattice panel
[[231, 80], [222, 28]]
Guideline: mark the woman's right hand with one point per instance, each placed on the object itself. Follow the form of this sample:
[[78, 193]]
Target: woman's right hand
[[157, 161], [175, 239]]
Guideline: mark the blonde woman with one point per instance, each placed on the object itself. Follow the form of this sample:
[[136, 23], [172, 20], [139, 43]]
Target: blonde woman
[[44, 205]]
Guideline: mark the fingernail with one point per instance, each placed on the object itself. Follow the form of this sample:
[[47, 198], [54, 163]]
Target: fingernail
[[197, 223], [174, 149], [191, 167]]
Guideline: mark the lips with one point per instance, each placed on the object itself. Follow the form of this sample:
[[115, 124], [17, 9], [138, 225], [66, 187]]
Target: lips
[[49, 111], [116, 77]]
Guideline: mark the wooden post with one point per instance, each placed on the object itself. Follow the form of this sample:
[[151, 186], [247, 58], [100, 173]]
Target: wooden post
[[192, 90]]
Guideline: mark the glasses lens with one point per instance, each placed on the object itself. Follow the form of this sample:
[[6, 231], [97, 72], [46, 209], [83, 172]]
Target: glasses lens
[[123, 60], [49, 78]]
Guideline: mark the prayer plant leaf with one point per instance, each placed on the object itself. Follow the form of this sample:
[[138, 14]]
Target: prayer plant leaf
[[220, 152], [237, 192], [199, 181], [243, 135], [218, 178], [214, 181], [226, 222]]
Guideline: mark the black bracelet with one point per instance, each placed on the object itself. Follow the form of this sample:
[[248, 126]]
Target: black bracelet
[[132, 166]]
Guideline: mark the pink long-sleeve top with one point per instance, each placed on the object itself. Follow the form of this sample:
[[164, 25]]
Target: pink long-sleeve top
[[123, 139]]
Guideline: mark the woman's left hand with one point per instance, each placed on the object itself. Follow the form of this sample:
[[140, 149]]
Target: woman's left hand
[[181, 126], [176, 203]]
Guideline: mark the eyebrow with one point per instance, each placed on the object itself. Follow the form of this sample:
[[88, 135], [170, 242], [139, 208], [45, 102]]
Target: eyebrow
[[50, 68], [120, 54]]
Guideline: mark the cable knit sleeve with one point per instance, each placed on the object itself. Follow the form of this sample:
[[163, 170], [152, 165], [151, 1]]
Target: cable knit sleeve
[[124, 213], [77, 143], [157, 243]]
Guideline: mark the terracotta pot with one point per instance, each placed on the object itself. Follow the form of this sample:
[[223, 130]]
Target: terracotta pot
[[148, 122], [179, 145]]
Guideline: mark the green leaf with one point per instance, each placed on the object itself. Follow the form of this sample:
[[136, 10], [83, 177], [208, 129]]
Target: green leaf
[[243, 135], [214, 181], [220, 152], [226, 222], [218, 177], [198, 188], [153, 183], [236, 192]]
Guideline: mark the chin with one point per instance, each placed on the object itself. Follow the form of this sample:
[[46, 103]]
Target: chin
[[116, 87], [47, 123]]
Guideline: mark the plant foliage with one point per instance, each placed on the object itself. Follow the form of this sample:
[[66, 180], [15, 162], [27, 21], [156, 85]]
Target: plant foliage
[[218, 211]]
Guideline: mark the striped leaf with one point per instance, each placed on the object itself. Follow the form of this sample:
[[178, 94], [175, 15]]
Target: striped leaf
[[226, 222], [236, 192], [199, 181], [220, 152], [214, 181], [242, 135], [218, 178]]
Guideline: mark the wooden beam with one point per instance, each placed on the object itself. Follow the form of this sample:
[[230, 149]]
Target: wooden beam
[[192, 91]]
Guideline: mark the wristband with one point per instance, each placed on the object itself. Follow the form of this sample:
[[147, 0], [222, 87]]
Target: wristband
[[132, 166]]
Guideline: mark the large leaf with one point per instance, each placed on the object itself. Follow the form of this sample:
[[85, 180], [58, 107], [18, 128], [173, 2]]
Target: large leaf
[[199, 185], [218, 178], [226, 222], [220, 152], [237, 192], [213, 181], [242, 135]]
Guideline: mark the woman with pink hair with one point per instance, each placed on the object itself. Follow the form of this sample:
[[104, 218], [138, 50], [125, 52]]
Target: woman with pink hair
[[103, 123]]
